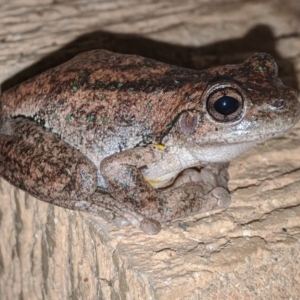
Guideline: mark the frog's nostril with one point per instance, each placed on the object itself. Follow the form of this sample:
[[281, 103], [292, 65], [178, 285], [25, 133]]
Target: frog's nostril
[[278, 104]]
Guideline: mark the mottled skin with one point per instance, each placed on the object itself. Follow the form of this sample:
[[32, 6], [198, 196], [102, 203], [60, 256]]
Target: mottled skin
[[117, 131]]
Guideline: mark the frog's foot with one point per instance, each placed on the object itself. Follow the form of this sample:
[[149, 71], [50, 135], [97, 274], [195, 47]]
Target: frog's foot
[[126, 215], [183, 203], [121, 222], [208, 177], [149, 226], [221, 196], [212, 180], [218, 198], [190, 199]]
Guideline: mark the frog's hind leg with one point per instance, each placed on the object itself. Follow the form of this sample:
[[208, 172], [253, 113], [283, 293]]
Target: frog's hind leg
[[40, 163]]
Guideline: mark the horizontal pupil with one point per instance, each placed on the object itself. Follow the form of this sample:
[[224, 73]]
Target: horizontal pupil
[[226, 105]]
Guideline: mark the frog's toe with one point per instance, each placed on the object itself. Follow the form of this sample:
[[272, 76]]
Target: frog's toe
[[222, 196], [121, 222], [150, 226]]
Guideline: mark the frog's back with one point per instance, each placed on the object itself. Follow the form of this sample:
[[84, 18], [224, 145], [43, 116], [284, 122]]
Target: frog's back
[[105, 101]]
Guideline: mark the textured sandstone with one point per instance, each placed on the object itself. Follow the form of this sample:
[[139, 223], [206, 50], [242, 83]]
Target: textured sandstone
[[249, 251]]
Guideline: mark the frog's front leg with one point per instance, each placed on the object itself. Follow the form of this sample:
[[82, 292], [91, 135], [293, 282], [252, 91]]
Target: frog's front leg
[[126, 183], [40, 163]]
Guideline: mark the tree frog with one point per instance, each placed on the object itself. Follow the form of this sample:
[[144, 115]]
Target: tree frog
[[147, 140]]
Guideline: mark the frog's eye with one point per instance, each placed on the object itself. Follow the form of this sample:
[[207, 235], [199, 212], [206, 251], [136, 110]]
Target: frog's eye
[[225, 104]]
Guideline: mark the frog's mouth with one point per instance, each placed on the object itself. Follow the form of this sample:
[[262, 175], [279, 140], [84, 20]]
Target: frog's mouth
[[254, 131], [252, 137], [229, 148], [220, 153]]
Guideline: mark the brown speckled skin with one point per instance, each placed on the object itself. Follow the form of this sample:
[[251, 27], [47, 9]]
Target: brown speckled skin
[[93, 122]]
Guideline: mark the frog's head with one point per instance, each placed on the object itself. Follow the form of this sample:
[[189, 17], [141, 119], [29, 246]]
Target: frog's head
[[241, 105]]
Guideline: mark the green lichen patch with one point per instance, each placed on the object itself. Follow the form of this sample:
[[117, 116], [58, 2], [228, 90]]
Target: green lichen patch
[[261, 68], [69, 118], [74, 88], [91, 118], [149, 105], [105, 120], [101, 150], [102, 96], [132, 196]]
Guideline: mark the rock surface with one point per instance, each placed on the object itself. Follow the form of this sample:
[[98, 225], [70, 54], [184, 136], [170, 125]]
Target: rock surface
[[249, 251]]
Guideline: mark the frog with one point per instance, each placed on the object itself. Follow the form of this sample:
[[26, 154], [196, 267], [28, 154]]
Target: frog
[[148, 141]]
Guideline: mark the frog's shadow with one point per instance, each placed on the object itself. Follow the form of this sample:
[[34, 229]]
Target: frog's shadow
[[258, 39]]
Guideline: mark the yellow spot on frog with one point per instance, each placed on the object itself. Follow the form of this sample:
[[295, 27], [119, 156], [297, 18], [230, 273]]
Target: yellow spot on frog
[[159, 146]]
